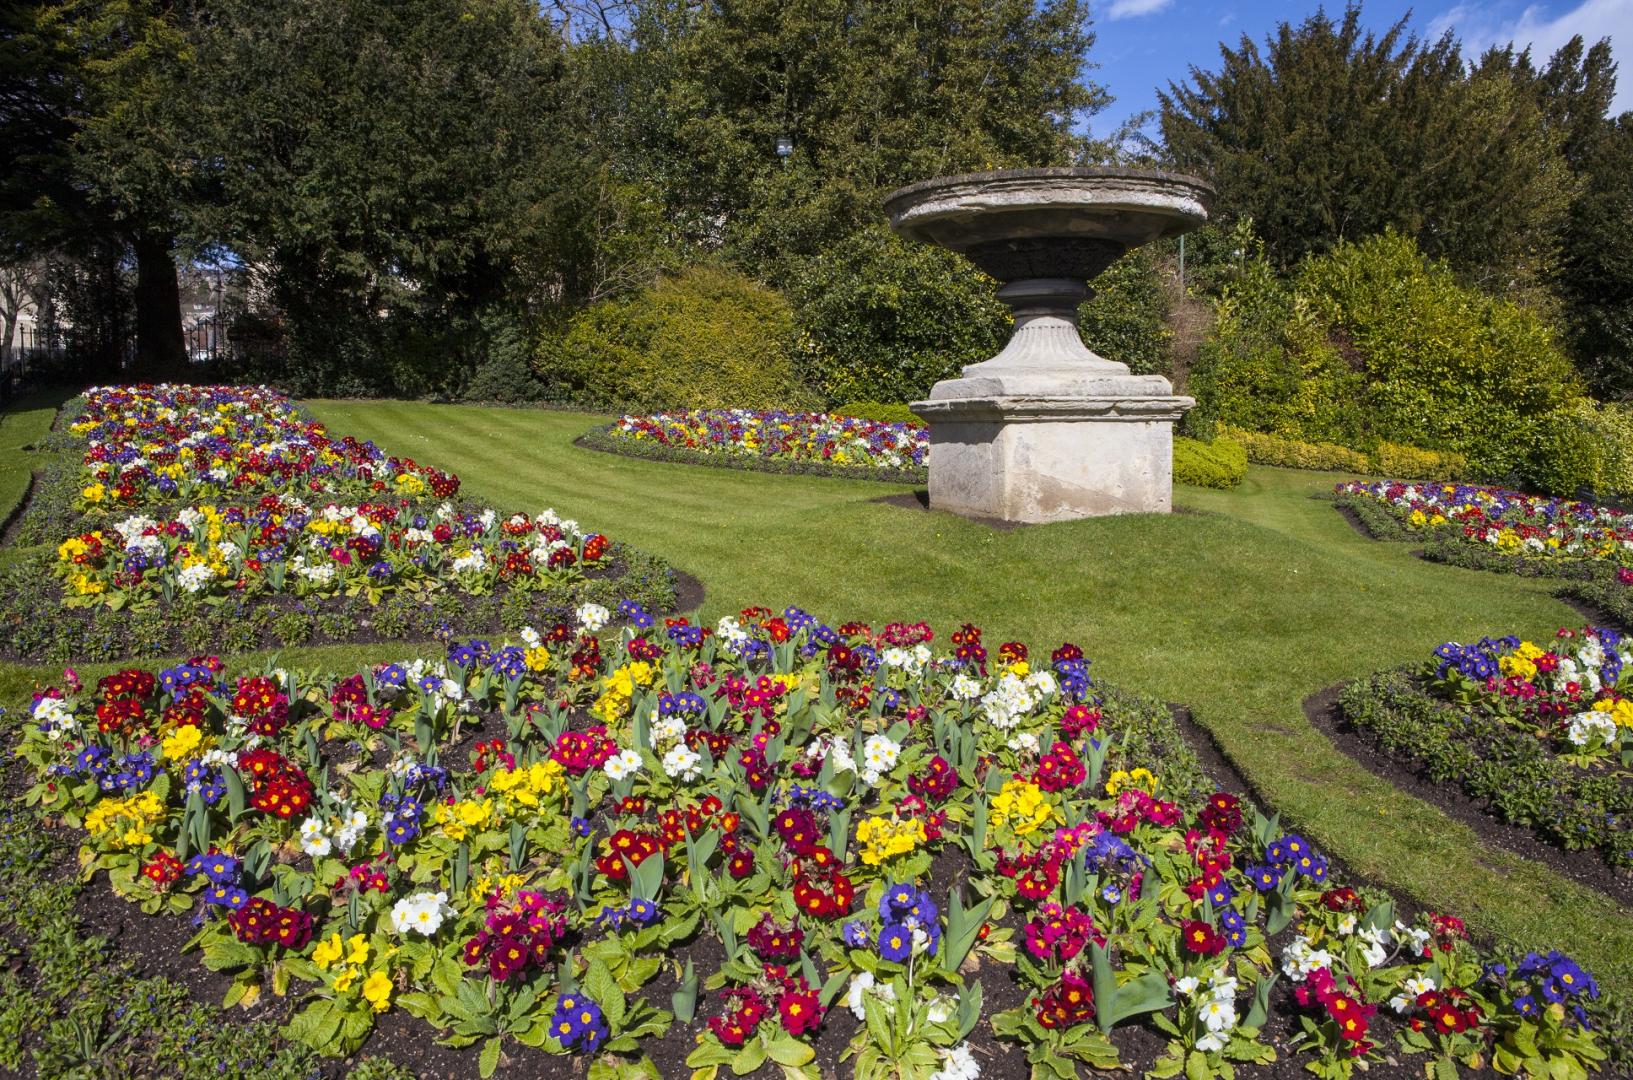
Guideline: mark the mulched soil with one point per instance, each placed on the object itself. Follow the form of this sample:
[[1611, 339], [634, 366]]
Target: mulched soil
[[688, 598], [1583, 867], [1593, 613], [1348, 514]]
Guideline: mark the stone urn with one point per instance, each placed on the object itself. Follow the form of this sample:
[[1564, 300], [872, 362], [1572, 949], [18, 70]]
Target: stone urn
[[1047, 430]]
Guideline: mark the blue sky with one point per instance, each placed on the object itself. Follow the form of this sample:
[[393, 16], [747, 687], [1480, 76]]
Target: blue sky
[[1142, 45]]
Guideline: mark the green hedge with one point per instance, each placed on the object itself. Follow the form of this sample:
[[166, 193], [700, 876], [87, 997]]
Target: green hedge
[[703, 339], [1219, 464], [1387, 459], [879, 411], [1371, 344]]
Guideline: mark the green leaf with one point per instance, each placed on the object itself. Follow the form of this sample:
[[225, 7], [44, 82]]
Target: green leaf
[[750, 1057], [489, 1061], [789, 1051]]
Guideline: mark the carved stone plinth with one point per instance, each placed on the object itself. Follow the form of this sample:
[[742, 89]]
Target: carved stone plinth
[[1047, 430]]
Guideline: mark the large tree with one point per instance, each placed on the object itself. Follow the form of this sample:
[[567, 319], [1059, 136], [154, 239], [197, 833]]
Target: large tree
[[388, 162], [90, 98], [1332, 132], [870, 95], [1596, 272]]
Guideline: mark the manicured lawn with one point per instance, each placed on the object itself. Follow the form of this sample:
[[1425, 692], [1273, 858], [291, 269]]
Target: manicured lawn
[[24, 423], [1241, 609]]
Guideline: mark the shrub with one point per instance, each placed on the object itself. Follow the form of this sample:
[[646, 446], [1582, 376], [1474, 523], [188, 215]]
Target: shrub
[[1567, 455], [1415, 463], [705, 338], [875, 410], [1126, 318], [1597, 437], [882, 319], [504, 372], [1291, 453], [1219, 464], [1372, 342]]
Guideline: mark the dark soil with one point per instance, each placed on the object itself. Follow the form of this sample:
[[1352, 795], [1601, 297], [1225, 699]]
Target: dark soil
[[1583, 867], [1596, 615], [1348, 514]]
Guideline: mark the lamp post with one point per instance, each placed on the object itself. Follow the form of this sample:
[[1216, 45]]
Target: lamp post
[[785, 148]]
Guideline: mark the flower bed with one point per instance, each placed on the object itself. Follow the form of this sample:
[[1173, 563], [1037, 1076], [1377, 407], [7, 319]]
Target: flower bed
[[728, 844], [148, 445], [774, 441], [1506, 523], [1543, 734], [313, 535]]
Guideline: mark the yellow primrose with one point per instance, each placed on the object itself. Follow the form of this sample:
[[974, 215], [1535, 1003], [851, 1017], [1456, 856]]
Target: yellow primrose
[[537, 658], [357, 949], [328, 951], [183, 743], [377, 991], [85, 585], [93, 493], [1021, 805], [345, 980], [884, 838], [1140, 778]]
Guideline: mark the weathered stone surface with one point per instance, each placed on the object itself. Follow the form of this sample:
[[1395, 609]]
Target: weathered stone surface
[[1037, 460]]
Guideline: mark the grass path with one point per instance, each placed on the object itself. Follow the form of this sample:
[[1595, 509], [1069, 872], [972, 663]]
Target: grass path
[[1241, 609]]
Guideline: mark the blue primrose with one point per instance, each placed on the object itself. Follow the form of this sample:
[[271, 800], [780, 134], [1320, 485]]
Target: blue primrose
[[895, 942]]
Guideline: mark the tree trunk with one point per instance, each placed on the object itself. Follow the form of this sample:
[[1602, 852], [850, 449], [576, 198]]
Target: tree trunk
[[161, 351]]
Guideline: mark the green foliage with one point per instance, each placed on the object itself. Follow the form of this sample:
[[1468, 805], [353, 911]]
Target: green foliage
[[1330, 132], [1596, 271], [505, 371], [881, 319], [874, 410], [706, 338], [872, 95], [1124, 319], [1413, 463], [402, 185], [1495, 760], [1219, 464], [1374, 343], [1265, 449], [1568, 453]]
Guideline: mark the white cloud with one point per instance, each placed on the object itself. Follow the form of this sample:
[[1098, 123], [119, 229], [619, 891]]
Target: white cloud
[[1545, 29], [1132, 9]]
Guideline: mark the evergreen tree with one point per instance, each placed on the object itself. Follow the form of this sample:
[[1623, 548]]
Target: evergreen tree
[[1332, 132]]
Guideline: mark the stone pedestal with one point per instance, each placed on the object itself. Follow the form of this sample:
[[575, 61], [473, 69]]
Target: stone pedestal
[[1046, 430], [1052, 459]]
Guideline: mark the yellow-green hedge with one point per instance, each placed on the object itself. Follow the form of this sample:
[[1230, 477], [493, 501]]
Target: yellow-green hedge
[[1389, 459], [1290, 453], [1219, 464], [879, 411], [1414, 463]]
